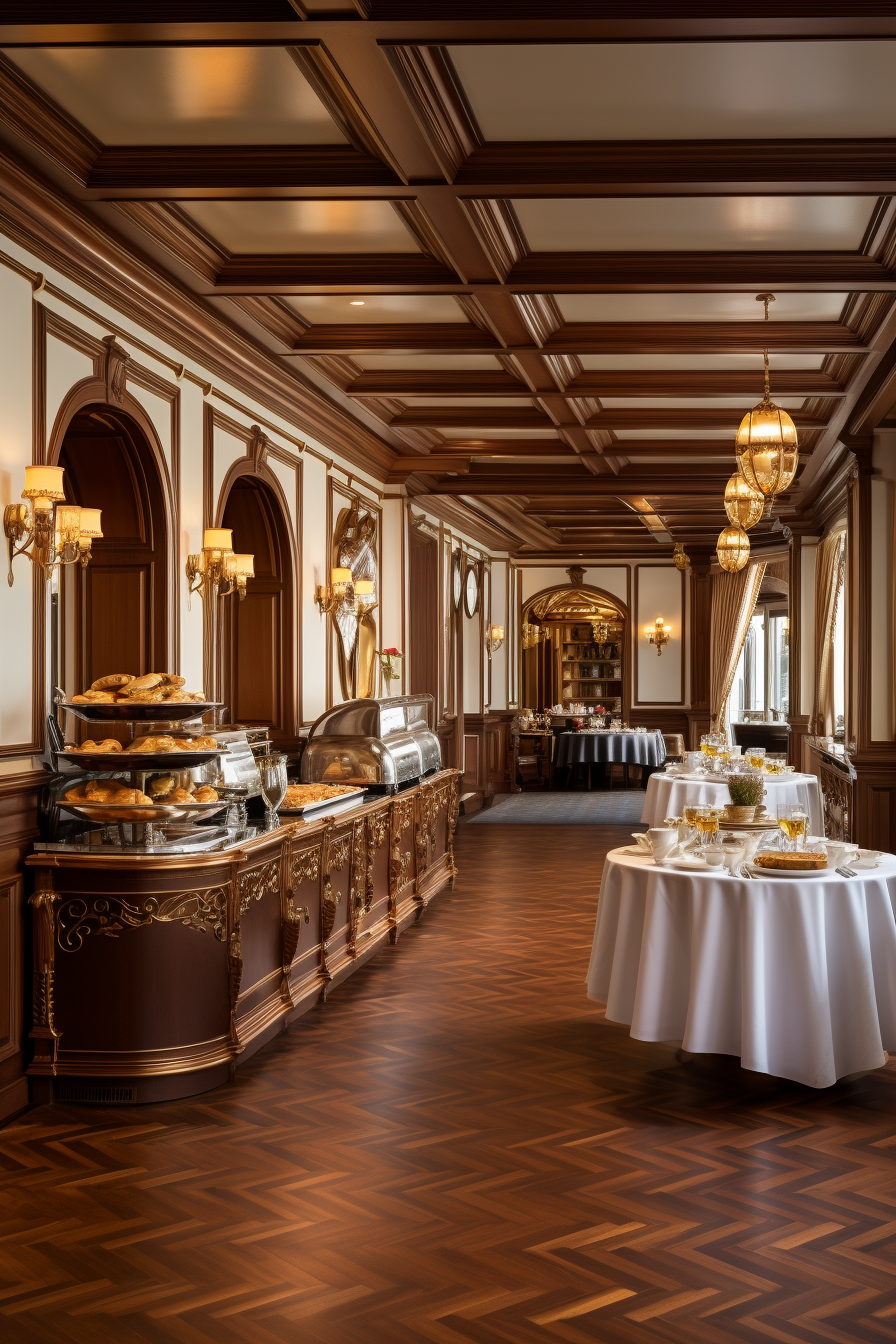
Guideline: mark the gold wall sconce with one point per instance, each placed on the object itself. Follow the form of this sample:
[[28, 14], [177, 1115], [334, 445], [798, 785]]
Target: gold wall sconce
[[217, 569], [344, 591], [44, 528], [495, 639], [658, 634]]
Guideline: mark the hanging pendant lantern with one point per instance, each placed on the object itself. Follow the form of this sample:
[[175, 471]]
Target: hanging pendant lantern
[[767, 445], [743, 505], [680, 558], [733, 549]]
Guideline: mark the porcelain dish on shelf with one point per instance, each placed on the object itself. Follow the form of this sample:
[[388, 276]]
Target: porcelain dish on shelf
[[143, 711]]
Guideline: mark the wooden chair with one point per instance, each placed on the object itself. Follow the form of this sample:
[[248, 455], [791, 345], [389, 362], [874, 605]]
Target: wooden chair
[[531, 757], [674, 746]]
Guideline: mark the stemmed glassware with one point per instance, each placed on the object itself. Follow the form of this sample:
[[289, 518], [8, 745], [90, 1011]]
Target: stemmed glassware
[[272, 770], [793, 822]]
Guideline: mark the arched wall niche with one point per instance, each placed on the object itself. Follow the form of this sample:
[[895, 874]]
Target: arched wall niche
[[557, 628], [256, 664], [102, 406]]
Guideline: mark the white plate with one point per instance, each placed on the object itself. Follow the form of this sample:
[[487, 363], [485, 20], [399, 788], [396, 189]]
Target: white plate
[[788, 872], [689, 865]]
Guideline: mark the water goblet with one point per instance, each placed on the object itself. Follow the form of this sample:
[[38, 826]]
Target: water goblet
[[793, 823], [272, 770]]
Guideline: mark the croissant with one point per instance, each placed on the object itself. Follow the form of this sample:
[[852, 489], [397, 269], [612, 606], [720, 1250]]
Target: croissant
[[110, 683], [206, 794]]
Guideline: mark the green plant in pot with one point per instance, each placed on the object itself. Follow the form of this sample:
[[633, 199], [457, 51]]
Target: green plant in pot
[[746, 794]]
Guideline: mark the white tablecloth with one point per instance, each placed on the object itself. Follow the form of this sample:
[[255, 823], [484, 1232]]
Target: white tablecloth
[[667, 796], [796, 976]]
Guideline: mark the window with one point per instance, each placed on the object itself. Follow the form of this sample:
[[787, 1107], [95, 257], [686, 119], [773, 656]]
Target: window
[[840, 664], [761, 687]]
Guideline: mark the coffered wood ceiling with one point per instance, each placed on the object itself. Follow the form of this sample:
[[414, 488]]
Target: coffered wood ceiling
[[520, 243]]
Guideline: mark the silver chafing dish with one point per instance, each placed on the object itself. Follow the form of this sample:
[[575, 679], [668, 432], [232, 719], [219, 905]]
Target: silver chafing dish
[[383, 745]]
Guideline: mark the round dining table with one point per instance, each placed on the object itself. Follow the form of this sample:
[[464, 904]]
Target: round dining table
[[668, 795], [598, 744], [794, 975]]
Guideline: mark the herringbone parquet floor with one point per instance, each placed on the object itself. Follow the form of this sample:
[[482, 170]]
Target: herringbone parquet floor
[[458, 1148]]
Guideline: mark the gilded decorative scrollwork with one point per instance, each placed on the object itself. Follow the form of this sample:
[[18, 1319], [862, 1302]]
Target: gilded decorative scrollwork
[[837, 795], [400, 861], [430, 803], [357, 892], [304, 867], [336, 850], [258, 882], [453, 801], [108, 916], [44, 1031], [291, 922], [377, 830], [235, 977]]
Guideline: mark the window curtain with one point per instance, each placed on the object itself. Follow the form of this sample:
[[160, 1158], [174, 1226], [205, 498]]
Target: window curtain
[[829, 563], [733, 600]]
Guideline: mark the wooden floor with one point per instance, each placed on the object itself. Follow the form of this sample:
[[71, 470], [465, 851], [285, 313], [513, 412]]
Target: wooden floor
[[459, 1148]]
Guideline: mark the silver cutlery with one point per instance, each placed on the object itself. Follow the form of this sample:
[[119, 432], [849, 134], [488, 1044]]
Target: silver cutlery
[[846, 872]]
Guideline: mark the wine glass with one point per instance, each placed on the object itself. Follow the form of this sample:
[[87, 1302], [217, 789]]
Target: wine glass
[[793, 822], [272, 770]]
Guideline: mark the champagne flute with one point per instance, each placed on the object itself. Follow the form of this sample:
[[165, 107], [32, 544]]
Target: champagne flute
[[272, 770]]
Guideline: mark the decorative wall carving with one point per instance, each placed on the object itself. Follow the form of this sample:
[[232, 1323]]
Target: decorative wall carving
[[304, 867], [400, 860], [43, 1031], [357, 892], [108, 916], [258, 882], [377, 830], [837, 792], [355, 549]]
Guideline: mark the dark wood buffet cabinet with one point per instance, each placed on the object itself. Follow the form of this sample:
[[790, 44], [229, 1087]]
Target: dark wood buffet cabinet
[[155, 975]]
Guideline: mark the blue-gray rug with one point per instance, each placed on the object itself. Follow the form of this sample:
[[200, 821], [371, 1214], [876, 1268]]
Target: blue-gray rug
[[617, 807]]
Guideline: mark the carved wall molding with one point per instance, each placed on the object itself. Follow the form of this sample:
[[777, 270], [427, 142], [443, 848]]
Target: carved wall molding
[[108, 916], [258, 882]]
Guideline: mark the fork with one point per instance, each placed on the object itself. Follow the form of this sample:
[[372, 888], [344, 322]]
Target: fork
[[846, 872]]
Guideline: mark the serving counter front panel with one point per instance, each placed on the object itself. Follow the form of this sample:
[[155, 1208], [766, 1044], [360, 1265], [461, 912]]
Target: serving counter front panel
[[154, 975]]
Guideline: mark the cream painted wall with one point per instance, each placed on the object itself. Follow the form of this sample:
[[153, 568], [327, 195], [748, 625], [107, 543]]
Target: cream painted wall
[[190, 517], [65, 367], [391, 594], [659, 592], [15, 454], [612, 579], [315, 567], [472, 664], [499, 617]]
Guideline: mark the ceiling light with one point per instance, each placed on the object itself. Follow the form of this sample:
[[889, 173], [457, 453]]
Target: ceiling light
[[356, 303], [733, 549], [743, 505], [766, 445]]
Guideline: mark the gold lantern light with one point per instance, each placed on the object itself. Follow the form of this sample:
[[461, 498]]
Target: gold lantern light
[[680, 558], [767, 446], [733, 548], [743, 505]]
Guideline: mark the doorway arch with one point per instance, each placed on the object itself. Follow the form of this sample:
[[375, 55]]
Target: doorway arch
[[575, 648], [257, 647], [115, 612]]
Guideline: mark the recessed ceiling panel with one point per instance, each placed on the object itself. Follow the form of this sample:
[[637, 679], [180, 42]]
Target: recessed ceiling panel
[[426, 363], [698, 308], [298, 227], [544, 432], [183, 95], [337, 309], [660, 432], [680, 90], [697, 402], [461, 402], [695, 223], [700, 363]]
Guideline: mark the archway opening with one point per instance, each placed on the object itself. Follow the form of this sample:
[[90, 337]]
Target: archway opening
[[257, 645], [574, 650], [114, 612]]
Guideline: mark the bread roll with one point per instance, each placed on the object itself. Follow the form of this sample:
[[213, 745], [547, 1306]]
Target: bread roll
[[102, 697], [112, 682], [147, 683], [79, 700], [108, 744], [204, 743], [171, 679], [161, 786], [205, 794], [146, 696], [179, 796]]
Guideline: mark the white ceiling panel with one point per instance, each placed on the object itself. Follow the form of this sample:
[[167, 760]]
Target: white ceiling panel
[[680, 90], [456, 402], [662, 433], [698, 308], [547, 432], [735, 404], [337, 308], [702, 363], [428, 363], [183, 95], [277, 226], [695, 223]]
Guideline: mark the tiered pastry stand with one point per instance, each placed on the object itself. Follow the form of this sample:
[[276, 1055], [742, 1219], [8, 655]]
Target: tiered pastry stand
[[135, 821]]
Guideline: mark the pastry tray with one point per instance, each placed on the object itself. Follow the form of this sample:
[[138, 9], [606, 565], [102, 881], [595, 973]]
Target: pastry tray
[[143, 711], [305, 808], [139, 812], [141, 762]]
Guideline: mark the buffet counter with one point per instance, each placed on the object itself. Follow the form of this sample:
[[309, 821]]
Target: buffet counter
[[155, 974]]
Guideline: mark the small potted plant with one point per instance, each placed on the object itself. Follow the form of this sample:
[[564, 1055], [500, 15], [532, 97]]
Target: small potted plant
[[746, 794], [390, 663]]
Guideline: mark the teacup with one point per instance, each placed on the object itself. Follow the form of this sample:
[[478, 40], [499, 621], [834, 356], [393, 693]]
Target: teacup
[[642, 841], [714, 856], [662, 840], [867, 858], [839, 852]]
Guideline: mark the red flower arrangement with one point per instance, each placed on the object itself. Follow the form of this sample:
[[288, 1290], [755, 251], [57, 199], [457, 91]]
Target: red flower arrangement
[[393, 653]]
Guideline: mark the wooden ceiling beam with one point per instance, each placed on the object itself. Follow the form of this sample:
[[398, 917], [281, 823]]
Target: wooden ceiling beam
[[683, 417], [700, 383], [617, 272], [526, 486], [277, 274]]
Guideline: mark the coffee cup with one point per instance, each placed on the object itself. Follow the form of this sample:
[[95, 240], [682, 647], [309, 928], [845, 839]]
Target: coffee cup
[[642, 841], [866, 858], [839, 852], [662, 840]]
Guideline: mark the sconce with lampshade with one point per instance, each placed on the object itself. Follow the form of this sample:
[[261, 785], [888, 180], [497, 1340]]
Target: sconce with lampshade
[[344, 591], [658, 634], [47, 530], [495, 639], [217, 570]]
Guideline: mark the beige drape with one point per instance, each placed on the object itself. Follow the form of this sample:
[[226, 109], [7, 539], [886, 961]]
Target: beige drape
[[829, 560], [733, 599]]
